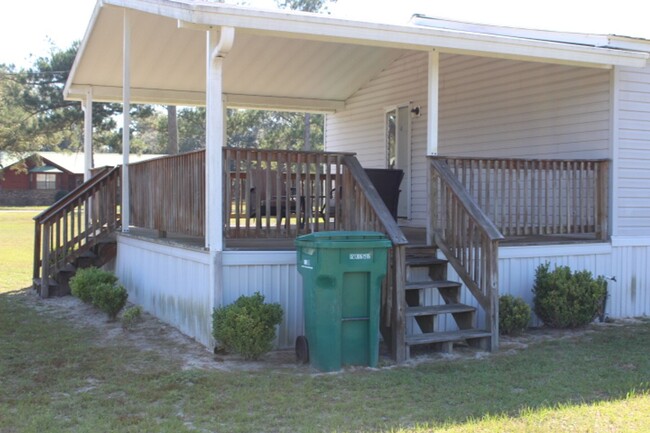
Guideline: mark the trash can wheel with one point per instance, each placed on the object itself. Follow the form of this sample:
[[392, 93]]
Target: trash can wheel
[[302, 349]]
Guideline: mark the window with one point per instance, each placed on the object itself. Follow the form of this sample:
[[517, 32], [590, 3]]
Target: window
[[45, 181]]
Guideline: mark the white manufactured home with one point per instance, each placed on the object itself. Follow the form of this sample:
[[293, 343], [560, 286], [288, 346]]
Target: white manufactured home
[[517, 147]]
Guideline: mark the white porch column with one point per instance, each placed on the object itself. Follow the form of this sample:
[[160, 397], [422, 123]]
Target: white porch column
[[126, 121], [215, 135], [87, 106], [432, 116], [614, 123], [432, 134], [215, 140]]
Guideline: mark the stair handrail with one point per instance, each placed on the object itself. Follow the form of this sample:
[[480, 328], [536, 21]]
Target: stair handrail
[[368, 205], [73, 224], [386, 220], [468, 238], [103, 173]]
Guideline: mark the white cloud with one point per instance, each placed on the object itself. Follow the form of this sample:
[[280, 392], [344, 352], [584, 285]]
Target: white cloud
[[25, 26]]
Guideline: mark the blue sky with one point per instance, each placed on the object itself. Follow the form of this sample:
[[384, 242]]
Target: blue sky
[[27, 26]]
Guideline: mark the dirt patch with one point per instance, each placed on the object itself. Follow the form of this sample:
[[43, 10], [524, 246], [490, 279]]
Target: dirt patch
[[150, 334]]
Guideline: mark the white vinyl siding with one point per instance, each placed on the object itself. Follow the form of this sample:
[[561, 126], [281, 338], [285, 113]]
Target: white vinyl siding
[[488, 107], [506, 108], [360, 127], [633, 164]]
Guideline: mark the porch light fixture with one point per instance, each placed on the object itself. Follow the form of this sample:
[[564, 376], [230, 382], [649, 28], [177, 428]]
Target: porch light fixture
[[415, 111]]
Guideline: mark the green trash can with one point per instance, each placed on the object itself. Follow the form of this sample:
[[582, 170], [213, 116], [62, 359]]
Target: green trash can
[[342, 274]]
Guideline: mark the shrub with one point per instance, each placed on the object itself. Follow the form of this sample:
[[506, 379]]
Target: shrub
[[514, 315], [110, 298], [567, 300], [131, 316], [85, 280], [247, 326]]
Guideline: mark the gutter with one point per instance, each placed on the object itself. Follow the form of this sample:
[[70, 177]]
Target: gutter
[[325, 28]]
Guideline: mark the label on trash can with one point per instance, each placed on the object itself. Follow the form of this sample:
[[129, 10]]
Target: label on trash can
[[306, 263], [360, 256]]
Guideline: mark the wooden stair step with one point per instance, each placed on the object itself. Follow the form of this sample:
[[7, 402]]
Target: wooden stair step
[[424, 261], [443, 337], [51, 282], [420, 250], [68, 267], [87, 255], [438, 284], [433, 310], [105, 238]]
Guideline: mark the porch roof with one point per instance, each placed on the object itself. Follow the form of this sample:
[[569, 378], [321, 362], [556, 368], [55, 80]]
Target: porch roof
[[287, 60]]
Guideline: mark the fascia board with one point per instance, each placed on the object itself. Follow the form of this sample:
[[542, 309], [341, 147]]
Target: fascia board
[[311, 26]]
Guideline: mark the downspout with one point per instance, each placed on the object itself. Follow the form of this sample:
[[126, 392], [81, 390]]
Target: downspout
[[126, 122]]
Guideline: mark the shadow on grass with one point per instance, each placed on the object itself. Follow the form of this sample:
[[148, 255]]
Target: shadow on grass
[[59, 377]]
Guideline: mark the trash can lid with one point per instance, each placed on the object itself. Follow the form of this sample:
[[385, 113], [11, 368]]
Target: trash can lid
[[344, 239]]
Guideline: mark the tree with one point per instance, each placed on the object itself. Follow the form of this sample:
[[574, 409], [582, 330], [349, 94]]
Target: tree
[[274, 129], [305, 5], [191, 128], [172, 130], [148, 130], [33, 113]]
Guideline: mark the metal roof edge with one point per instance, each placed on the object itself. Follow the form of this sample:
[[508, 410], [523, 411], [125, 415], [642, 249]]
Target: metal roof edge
[[332, 29]]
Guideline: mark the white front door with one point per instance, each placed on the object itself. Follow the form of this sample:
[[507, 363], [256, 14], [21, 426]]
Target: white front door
[[398, 152]]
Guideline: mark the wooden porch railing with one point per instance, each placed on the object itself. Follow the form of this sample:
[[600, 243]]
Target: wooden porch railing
[[274, 194], [469, 240], [285, 194], [73, 224], [167, 194], [281, 194], [538, 197]]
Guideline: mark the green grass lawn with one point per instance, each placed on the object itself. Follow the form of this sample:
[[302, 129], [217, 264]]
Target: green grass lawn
[[58, 377], [16, 247]]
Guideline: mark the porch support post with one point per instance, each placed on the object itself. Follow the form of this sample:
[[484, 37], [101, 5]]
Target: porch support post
[[432, 115], [215, 135], [87, 106], [126, 122], [218, 47], [432, 141], [614, 125]]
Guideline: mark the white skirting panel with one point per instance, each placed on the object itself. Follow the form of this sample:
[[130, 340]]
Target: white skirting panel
[[172, 282], [517, 267], [630, 294], [274, 274], [169, 282]]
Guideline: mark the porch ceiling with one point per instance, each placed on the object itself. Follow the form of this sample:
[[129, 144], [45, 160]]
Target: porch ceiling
[[282, 60], [262, 70]]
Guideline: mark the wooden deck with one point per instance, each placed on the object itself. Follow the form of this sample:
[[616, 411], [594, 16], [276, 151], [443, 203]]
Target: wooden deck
[[415, 235]]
